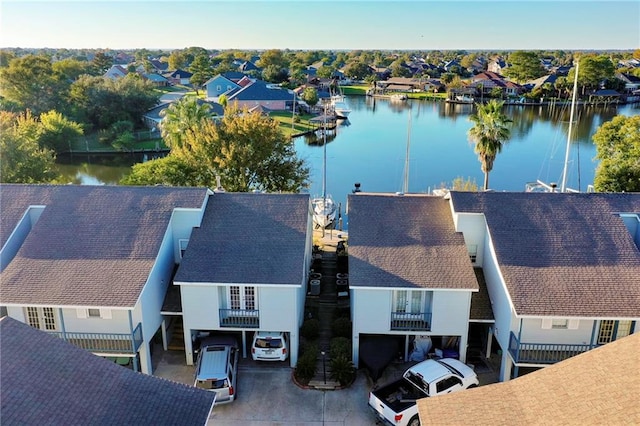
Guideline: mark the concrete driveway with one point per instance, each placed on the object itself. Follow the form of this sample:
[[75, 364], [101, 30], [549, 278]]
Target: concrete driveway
[[267, 394]]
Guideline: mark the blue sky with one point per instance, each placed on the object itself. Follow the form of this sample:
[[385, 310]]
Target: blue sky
[[303, 24]]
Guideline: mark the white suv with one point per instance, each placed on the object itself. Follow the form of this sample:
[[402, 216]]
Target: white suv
[[269, 346]]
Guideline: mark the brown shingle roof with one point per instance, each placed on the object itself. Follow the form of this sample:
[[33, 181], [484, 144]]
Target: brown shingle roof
[[46, 380], [480, 302], [249, 238], [92, 245], [563, 254], [406, 241], [598, 387]]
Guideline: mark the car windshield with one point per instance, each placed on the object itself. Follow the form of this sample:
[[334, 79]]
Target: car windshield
[[212, 384], [450, 368], [268, 343]]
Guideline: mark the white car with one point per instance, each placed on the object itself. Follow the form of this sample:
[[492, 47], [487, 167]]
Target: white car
[[269, 346]]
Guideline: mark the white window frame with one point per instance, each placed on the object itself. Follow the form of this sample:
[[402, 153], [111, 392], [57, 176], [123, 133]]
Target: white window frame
[[242, 297], [42, 318], [410, 301], [83, 313], [182, 246], [559, 323]]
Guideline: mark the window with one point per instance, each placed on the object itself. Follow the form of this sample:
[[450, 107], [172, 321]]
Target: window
[[242, 297], [559, 323], [182, 245], [611, 330], [447, 383], [411, 301], [219, 88], [41, 318], [94, 313], [473, 252]]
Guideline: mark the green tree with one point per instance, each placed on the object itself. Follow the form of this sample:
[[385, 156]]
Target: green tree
[[398, 69], [101, 63], [169, 170], [273, 57], [357, 70], [71, 68], [274, 74], [247, 150], [58, 132], [490, 131], [202, 71], [525, 66], [593, 70], [181, 117], [31, 82], [178, 60], [618, 149], [22, 160], [310, 96]]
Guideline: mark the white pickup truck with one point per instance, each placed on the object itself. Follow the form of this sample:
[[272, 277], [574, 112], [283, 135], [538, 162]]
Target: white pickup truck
[[395, 403]]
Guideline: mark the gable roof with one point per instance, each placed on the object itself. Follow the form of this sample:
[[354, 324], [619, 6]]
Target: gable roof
[[562, 254], [249, 238], [92, 245], [596, 387], [215, 78], [178, 74], [46, 380], [406, 241]]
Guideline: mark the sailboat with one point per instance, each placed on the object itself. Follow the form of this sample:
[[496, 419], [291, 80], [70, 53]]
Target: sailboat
[[339, 104], [324, 208], [540, 186]]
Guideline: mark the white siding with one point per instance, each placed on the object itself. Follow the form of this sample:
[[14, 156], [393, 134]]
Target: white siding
[[473, 227], [450, 313], [371, 311], [532, 332], [278, 308], [182, 223]]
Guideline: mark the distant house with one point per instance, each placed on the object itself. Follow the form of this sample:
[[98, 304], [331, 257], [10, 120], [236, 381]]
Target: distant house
[[115, 72], [246, 268], [409, 273], [47, 380], [561, 270], [539, 82], [590, 388], [156, 79], [497, 66], [486, 81], [261, 93], [218, 85], [247, 66], [159, 66], [178, 77], [631, 82], [91, 264]]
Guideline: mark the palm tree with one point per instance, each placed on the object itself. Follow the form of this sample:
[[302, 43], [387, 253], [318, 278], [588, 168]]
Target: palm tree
[[489, 133], [181, 117]]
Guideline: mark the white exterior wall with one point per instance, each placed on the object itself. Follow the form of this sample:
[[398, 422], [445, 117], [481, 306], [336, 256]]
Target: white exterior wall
[[450, 316], [19, 234], [473, 227], [182, 223], [200, 306], [532, 332], [371, 314]]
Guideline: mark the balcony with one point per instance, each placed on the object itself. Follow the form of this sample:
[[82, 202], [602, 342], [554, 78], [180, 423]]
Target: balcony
[[240, 318], [543, 353], [112, 343], [410, 321]]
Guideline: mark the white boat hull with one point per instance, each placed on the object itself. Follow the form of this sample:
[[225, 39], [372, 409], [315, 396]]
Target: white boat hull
[[324, 212]]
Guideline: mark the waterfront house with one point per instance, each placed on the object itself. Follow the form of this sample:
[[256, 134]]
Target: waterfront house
[[562, 270], [246, 268], [91, 264], [46, 380], [219, 85], [596, 387], [409, 272], [261, 93]]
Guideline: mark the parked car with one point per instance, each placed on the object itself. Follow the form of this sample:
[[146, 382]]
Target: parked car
[[395, 403], [217, 367], [269, 346]]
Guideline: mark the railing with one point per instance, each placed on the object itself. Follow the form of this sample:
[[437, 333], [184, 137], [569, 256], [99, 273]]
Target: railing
[[242, 318], [117, 343], [544, 353], [411, 321]]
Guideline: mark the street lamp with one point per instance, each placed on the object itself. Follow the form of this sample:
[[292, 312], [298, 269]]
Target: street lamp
[[324, 367]]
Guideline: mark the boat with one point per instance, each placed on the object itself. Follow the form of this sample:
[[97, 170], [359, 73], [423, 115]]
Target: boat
[[398, 97], [324, 208], [464, 99], [340, 106], [540, 186]]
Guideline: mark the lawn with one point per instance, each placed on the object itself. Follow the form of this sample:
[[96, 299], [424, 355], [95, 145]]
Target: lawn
[[284, 122]]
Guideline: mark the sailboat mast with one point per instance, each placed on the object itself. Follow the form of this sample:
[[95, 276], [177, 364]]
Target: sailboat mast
[[563, 186], [405, 183], [324, 159]]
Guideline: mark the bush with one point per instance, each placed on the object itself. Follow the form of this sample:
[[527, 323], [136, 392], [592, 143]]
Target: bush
[[310, 329], [341, 327], [342, 370], [340, 347], [306, 366]]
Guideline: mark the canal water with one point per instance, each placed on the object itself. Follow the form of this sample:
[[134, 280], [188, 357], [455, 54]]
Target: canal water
[[370, 148]]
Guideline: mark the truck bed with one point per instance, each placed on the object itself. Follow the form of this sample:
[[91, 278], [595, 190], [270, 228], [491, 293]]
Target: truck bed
[[399, 395]]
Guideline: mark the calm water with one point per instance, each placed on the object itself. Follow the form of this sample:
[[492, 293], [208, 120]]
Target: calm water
[[370, 148]]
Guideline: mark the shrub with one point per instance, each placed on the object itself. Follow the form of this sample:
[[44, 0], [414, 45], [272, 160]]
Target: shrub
[[340, 347], [341, 327], [306, 366], [310, 329], [342, 370]]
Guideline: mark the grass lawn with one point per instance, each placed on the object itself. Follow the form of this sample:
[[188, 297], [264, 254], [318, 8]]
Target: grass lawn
[[90, 143], [355, 90], [284, 122]]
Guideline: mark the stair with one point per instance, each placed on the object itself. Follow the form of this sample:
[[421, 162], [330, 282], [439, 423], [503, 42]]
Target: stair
[[176, 339]]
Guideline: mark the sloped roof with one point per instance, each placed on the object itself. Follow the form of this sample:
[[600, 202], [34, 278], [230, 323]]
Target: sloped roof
[[178, 74], [259, 91], [46, 380], [92, 245], [481, 309], [406, 241], [597, 387], [249, 238], [562, 254]]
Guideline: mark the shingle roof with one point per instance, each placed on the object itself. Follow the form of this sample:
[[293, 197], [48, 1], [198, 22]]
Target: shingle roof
[[563, 254], [92, 245], [481, 309], [406, 241], [259, 91], [249, 238], [46, 380], [598, 387]]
